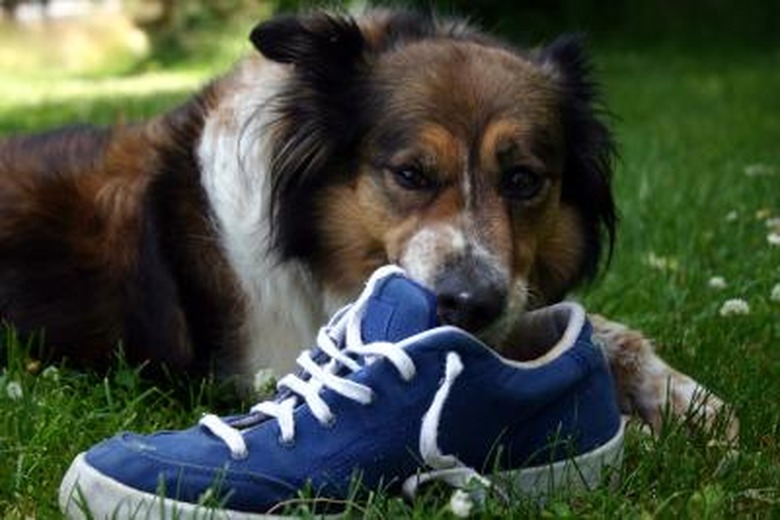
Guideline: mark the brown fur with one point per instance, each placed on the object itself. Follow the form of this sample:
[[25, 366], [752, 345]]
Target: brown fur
[[481, 169], [508, 121], [86, 248]]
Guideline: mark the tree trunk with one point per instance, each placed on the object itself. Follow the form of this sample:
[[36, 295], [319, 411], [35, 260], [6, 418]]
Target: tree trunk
[[167, 13]]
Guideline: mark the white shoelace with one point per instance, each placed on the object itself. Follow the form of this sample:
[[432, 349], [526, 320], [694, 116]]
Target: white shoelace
[[443, 467], [346, 327]]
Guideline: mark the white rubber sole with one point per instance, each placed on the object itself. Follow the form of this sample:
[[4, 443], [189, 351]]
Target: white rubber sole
[[85, 493], [570, 476]]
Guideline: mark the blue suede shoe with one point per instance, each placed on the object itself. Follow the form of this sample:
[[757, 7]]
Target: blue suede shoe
[[388, 398]]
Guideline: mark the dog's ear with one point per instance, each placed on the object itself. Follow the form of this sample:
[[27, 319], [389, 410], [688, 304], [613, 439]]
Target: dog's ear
[[317, 41], [590, 149], [317, 115], [566, 59]]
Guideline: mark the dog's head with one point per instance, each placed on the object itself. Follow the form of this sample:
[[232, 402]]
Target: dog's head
[[481, 169]]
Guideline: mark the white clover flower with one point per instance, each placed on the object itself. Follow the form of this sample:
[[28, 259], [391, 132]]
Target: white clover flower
[[773, 224], [717, 282], [759, 170], [773, 239], [264, 381], [661, 263], [51, 373], [14, 390], [775, 294], [461, 504], [732, 216], [734, 307]]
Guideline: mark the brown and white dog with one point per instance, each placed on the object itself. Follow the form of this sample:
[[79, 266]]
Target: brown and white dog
[[227, 230]]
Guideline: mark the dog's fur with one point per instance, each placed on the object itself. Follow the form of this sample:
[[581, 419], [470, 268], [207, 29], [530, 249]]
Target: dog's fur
[[228, 229]]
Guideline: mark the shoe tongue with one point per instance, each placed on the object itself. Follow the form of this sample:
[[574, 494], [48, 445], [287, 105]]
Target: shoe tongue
[[397, 309]]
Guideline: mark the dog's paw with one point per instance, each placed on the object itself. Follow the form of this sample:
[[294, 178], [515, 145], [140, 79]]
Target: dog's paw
[[690, 403], [648, 387]]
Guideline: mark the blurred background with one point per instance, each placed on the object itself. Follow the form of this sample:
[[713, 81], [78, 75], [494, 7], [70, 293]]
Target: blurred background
[[129, 35], [113, 59]]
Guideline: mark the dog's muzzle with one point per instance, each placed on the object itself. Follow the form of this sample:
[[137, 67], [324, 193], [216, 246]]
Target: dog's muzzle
[[470, 294]]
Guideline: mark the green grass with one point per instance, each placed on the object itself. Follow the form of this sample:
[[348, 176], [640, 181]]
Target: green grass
[[689, 124]]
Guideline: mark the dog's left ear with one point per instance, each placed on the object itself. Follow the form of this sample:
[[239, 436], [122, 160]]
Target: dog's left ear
[[590, 148], [315, 42]]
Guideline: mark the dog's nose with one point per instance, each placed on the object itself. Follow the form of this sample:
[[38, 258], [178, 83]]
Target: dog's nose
[[467, 300]]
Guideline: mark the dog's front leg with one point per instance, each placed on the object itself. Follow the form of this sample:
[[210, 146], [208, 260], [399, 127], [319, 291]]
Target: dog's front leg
[[647, 386]]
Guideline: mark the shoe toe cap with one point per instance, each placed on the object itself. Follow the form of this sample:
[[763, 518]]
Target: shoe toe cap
[[186, 466]]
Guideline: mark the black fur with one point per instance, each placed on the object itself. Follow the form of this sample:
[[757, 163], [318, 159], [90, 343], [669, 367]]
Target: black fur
[[160, 308], [590, 147], [316, 117]]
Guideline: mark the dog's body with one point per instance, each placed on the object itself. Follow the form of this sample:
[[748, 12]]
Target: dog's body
[[229, 229]]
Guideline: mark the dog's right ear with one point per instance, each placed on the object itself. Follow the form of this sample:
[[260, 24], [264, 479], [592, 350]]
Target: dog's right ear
[[316, 42], [316, 115]]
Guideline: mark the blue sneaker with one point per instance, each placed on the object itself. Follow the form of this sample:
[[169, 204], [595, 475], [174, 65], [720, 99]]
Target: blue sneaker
[[389, 398]]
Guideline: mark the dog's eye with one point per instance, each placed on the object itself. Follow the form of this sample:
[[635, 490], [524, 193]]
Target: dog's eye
[[521, 183], [412, 178]]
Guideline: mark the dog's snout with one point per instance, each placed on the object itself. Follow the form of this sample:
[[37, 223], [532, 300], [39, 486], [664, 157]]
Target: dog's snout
[[467, 299]]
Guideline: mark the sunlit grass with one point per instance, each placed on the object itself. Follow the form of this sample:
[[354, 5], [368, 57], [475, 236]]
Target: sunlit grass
[[104, 69], [26, 92], [100, 42], [28, 100]]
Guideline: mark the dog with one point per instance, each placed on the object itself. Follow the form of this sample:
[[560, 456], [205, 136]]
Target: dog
[[220, 235]]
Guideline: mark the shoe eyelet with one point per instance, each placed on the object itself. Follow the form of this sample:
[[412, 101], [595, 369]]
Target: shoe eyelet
[[330, 423], [371, 399]]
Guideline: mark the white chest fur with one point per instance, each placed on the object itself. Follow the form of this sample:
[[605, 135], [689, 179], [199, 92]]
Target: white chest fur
[[284, 304]]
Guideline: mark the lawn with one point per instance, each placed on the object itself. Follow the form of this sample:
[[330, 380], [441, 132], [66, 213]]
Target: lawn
[[698, 185]]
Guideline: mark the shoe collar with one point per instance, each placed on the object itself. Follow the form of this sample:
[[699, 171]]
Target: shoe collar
[[553, 330]]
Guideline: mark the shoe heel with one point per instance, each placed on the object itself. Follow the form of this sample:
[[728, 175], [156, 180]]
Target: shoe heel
[[567, 477]]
